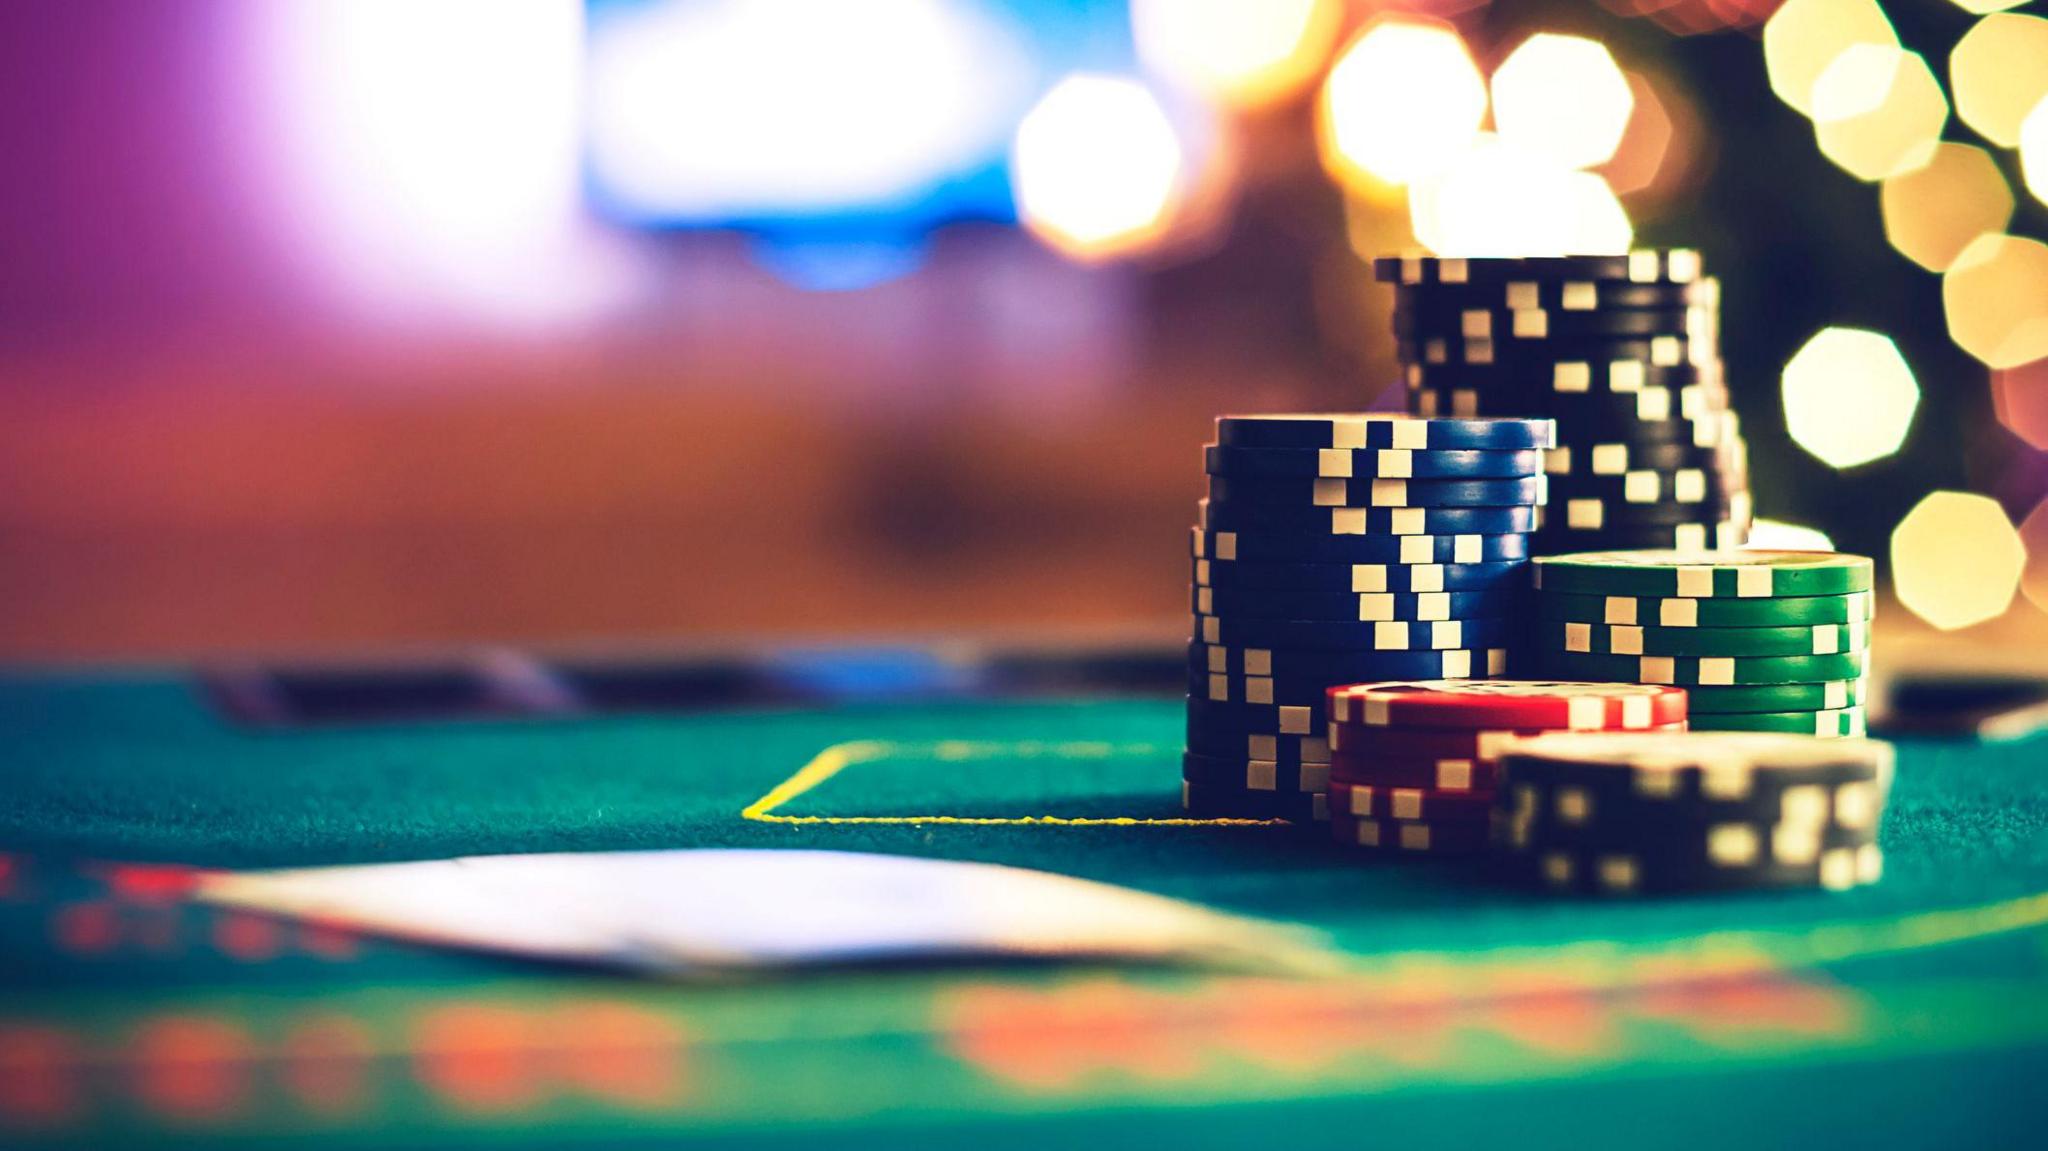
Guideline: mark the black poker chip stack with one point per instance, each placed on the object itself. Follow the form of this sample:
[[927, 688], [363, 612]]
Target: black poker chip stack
[[1622, 351]]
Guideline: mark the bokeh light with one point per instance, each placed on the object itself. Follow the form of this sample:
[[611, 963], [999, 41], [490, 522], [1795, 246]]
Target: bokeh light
[[2034, 537], [1401, 103], [2034, 150], [1956, 560], [1563, 96], [1247, 53], [1643, 159], [1849, 397], [1980, 7], [1776, 535], [1996, 297], [1878, 111], [1097, 167], [1999, 71], [1931, 215], [1502, 199], [1803, 37], [2019, 396]]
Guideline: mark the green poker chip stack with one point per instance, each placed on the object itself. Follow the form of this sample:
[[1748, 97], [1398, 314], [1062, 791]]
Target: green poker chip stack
[[1775, 641]]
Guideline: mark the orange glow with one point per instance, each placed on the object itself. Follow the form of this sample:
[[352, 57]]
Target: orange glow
[[1996, 298], [1247, 53], [1646, 144], [2020, 397], [1931, 215], [1402, 103]]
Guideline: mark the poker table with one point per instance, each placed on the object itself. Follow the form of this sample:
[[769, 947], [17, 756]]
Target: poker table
[[1911, 1013]]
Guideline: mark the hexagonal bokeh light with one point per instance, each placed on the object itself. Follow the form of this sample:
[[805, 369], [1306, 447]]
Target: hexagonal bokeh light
[[1956, 560], [1245, 52], [1932, 214], [1096, 167], [1849, 397], [1401, 103], [1563, 96], [1878, 111], [1980, 7], [1803, 37], [1999, 71], [1996, 298], [1502, 199], [2019, 396], [2034, 150]]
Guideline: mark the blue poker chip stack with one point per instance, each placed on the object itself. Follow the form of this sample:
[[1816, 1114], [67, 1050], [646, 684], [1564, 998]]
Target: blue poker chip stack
[[1622, 351], [1337, 549]]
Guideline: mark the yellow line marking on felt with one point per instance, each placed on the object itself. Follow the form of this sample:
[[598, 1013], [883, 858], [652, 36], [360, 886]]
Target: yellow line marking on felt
[[840, 756]]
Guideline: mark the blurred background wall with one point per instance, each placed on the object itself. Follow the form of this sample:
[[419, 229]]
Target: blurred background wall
[[339, 324]]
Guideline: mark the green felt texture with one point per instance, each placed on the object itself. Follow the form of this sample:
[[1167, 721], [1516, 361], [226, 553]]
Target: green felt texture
[[1904, 1014]]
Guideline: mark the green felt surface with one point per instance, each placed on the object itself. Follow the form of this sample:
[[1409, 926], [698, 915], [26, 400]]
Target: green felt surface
[[1911, 1013]]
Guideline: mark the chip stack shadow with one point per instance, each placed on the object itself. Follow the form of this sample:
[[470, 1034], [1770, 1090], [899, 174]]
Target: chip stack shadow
[[1337, 549], [1622, 351]]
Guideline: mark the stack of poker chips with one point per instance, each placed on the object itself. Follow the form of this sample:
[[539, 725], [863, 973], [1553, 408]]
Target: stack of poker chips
[[1340, 548], [1691, 811], [1761, 640], [1622, 351], [1414, 766]]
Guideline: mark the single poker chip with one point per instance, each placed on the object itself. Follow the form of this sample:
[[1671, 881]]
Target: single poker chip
[[1566, 379], [1382, 430], [1531, 355], [1743, 574], [1254, 774], [1449, 773], [1244, 604], [1840, 723], [1708, 486], [1363, 578], [1206, 801], [1411, 836], [1360, 743], [1219, 516], [1831, 695], [1375, 492], [1576, 458], [1662, 767], [1587, 295], [1591, 513], [1359, 638], [1652, 416], [1544, 704], [1359, 463], [1705, 670], [1341, 665], [1652, 611], [1366, 801], [1613, 639], [1265, 547], [1628, 872], [1648, 266], [1514, 325], [1285, 750], [1702, 535]]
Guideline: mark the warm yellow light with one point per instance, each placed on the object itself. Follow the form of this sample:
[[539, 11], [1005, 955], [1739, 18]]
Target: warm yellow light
[[2034, 150], [1501, 199], [1980, 7], [1803, 37], [1849, 397], [1401, 103], [1931, 215], [1956, 560], [1096, 167], [1774, 535], [1647, 143], [1245, 52], [1996, 297], [1999, 71], [1878, 111], [1562, 96]]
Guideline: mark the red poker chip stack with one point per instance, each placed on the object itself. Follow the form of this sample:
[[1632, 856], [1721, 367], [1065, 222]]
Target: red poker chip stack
[[1413, 765]]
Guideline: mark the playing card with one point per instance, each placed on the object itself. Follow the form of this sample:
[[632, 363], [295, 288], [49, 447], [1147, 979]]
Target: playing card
[[679, 912]]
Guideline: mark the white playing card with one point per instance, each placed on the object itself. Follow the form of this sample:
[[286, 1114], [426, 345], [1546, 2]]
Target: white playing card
[[682, 911]]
